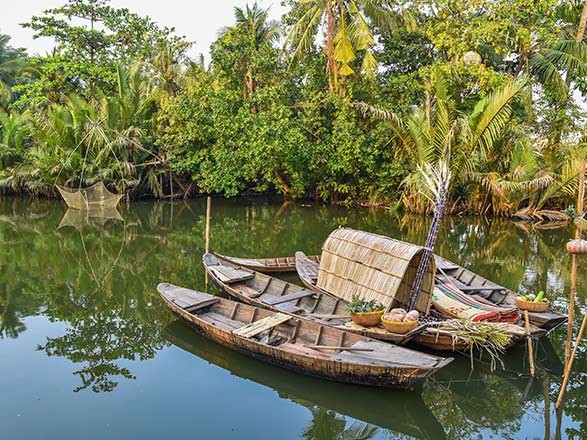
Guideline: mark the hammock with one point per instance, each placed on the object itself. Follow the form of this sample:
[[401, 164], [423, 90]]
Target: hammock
[[451, 301], [95, 196]]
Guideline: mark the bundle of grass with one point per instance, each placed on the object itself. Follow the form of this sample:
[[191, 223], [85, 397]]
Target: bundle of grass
[[491, 338]]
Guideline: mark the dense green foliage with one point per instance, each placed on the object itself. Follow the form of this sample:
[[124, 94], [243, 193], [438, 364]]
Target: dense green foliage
[[340, 101]]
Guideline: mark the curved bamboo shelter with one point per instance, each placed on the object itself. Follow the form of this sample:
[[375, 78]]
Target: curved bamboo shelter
[[373, 267], [95, 196]]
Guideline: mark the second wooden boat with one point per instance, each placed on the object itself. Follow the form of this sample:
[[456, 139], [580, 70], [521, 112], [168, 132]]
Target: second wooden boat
[[263, 290], [300, 344]]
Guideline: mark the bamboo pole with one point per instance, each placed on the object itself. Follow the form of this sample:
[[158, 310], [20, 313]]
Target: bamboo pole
[[546, 391], [580, 198], [208, 209], [207, 246], [568, 368], [530, 345]]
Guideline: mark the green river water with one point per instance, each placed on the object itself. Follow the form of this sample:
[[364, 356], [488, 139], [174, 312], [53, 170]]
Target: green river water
[[88, 350]]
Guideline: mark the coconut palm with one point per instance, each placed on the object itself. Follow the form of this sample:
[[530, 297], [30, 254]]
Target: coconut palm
[[254, 30], [347, 29]]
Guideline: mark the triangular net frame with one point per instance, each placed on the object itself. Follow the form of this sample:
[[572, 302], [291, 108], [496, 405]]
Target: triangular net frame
[[95, 196]]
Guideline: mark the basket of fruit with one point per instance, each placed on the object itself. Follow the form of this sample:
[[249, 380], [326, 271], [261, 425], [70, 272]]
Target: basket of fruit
[[365, 313], [400, 321], [532, 303]]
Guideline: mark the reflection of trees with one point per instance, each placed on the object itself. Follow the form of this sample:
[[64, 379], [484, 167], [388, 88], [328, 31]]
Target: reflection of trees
[[328, 425], [119, 318]]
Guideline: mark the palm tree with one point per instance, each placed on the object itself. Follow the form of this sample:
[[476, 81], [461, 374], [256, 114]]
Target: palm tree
[[440, 130], [11, 64], [256, 30], [346, 26]]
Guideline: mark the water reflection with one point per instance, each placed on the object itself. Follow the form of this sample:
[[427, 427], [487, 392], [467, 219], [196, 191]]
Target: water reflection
[[98, 278], [400, 412]]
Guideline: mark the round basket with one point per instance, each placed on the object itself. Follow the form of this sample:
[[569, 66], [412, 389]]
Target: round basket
[[367, 319], [531, 306], [577, 247], [399, 327]]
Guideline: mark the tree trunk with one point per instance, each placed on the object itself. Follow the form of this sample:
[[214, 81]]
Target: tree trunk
[[331, 68], [582, 23]]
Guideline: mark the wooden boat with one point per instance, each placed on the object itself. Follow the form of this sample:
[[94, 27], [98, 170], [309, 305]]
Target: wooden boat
[[263, 290], [468, 281], [300, 344], [267, 265], [405, 413], [307, 270], [474, 284]]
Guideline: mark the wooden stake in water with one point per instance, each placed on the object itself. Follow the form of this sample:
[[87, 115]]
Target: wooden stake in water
[[530, 346], [208, 209], [580, 198], [561, 394]]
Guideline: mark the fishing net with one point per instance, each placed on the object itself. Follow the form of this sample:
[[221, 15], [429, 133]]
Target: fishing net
[[95, 196]]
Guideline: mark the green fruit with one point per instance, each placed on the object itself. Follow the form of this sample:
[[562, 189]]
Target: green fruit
[[580, 223]]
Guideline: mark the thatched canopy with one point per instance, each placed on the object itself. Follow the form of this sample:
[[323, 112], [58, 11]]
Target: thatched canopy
[[373, 267]]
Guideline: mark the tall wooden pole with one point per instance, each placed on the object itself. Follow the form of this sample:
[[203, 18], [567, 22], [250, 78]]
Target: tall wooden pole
[[208, 210], [574, 263], [570, 358], [530, 346], [561, 394]]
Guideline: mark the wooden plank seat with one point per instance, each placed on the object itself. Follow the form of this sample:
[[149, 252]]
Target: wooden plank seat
[[191, 300], [274, 300], [231, 275], [254, 328], [221, 321]]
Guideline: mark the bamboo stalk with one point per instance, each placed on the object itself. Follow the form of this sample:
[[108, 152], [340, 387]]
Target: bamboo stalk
[[208, 210], [571, 309], [546, 390], [568, 368], [530, 346], [580, 198]]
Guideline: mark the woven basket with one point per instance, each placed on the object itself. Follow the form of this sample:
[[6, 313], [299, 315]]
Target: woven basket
[[531, 306], [399, 327], [368, 319], [577, 247]]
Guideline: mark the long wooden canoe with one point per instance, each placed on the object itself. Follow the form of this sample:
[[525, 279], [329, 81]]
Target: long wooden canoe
[[300, 344], [263, 290], [267, 265]]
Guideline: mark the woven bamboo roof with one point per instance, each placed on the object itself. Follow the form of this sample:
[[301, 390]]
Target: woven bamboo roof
[[373, 267]]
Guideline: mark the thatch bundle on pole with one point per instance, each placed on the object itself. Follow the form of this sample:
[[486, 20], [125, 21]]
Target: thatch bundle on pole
[[373, 267]]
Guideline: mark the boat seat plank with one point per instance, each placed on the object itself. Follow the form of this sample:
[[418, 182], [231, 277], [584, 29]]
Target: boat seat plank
[[443, 264], [222, 321], [254, 328], [289, 308], [274, 300], [387, 354], [465, 288], [231, 275], [187, 298], [248, 291]]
